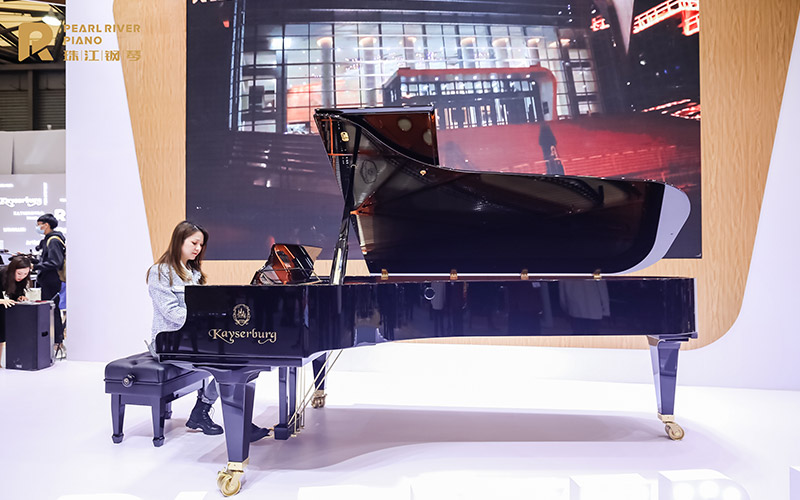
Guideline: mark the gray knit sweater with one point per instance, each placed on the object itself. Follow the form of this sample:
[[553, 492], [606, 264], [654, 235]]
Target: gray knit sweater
[[169, 303]]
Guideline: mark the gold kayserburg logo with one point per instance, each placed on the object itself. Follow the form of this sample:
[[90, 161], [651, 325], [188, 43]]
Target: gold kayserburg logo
[[241, 314], [231, 336]]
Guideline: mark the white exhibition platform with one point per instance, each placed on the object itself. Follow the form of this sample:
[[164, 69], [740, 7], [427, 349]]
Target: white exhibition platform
[[459, 429]]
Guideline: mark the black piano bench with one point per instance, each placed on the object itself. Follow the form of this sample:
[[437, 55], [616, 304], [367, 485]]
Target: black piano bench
[[141, 380]]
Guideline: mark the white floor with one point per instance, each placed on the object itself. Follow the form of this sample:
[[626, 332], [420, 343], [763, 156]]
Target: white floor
[[466, 434]]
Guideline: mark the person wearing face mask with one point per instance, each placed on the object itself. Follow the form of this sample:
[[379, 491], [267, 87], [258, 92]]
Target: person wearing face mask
[[14, 280], [53, 250], [166, 280]]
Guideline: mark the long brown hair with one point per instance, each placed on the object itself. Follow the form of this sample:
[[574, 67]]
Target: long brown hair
[[12, 285], [172, 257]]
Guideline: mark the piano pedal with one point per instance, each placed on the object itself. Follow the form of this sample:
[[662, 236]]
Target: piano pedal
[[318, 400], [674, 431]]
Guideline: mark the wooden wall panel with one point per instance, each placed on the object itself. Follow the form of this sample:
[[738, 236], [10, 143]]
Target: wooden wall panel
[[156, 88], [745, 49]]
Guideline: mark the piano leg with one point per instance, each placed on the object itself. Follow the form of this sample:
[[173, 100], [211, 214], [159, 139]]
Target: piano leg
[[287, 403], [237, 394], [664, 356], [318, 401]]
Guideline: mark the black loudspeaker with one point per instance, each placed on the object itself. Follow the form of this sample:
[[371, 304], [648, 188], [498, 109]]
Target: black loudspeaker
[[28, 336]]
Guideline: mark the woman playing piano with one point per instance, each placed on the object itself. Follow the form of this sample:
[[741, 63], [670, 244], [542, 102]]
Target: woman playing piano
[[179, 266]]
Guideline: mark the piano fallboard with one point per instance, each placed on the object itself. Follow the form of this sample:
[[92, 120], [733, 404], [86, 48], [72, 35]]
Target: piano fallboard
[[280, 325]]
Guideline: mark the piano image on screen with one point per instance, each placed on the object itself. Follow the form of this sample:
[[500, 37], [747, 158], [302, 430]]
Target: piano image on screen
[[451, 254]]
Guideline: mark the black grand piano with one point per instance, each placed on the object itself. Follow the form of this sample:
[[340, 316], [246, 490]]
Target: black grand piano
[[451, 253]]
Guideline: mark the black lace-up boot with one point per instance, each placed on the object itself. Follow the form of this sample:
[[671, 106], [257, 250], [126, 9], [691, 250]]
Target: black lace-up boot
[[200, 419]]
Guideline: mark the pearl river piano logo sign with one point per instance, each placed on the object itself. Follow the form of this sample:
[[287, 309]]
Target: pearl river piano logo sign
[[82, 42], [241, 316], [29, 45]]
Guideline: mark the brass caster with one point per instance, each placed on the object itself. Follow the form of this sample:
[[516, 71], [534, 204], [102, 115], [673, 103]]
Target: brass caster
[[228, 485], [674, 431], [318, 400], [229, 480]]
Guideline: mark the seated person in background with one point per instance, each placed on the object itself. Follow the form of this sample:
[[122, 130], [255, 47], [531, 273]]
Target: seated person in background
[[179, 266], [15, 280]]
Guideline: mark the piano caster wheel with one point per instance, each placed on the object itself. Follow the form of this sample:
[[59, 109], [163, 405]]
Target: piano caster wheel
[[674, 431], [228, 485], [229, 480], [318, 401]]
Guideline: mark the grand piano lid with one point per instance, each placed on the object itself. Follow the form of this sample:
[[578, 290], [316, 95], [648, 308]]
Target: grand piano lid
[[413, 216]]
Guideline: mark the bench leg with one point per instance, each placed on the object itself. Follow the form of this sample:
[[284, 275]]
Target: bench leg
[[159, 411], [117, 417], [168, 412]]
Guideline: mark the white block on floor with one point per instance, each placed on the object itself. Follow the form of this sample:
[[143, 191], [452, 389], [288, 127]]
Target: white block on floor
[[471, 485], [353, 492], [700, 484], [794, 483], [100, 496], [191, 495], [612, 487]]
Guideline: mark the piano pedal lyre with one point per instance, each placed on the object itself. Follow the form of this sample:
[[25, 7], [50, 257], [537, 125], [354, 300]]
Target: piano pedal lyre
[[229, 481], [674, 431], [299, 421]]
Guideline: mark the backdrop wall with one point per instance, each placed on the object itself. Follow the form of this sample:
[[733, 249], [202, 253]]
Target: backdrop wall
[[109, 316], [739, 118], [109, 245]]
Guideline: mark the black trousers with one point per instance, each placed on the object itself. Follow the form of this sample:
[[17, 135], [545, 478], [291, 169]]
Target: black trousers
[[50, 284], [2, 324]]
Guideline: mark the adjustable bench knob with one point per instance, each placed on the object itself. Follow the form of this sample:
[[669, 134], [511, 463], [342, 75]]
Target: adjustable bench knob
[[128, 380]]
